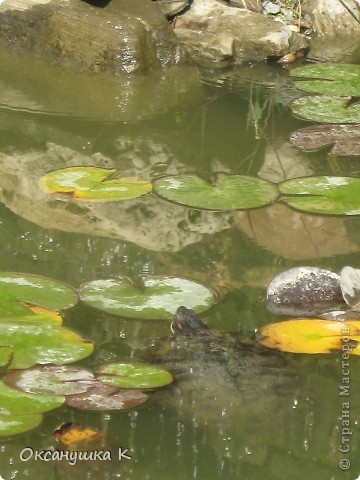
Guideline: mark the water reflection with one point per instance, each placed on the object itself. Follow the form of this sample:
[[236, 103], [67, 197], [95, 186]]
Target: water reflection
[[236, 122]]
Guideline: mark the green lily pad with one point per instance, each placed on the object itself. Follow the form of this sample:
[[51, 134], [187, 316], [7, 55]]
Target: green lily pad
[[16, 424], [229, 192], [92, 183], [329, 79], [5, 355], [344, 138], [17, 288], [133, 375], [13, 402], [326, 109], [33, 341], [324, 195], [50, 380], [106, 397], [158, 299]]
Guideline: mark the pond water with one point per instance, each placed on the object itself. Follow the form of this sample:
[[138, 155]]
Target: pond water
[[182, 121]]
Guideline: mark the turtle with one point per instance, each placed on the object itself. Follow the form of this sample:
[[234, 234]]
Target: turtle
[[241, 393], [195, 349]]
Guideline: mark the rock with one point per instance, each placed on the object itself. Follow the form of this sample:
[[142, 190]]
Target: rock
[[333, 17], [124, 37], [171, 7], [216, 32], [252, 5], [145, 221]]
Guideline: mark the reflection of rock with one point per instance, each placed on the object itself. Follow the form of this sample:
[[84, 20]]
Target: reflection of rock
[[148, 221], [32, 84], [216, 32], [284, 162], [297, 236], [125, 37]]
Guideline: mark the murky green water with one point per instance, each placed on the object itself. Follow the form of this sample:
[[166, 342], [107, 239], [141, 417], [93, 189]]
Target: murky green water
[[236, 122]]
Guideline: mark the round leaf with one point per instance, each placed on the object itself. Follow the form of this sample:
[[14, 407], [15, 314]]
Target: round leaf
[[344, 138], [229, 192], [132, 375], [51, 379], [325, 109], [306, 335], [13, 402], [36, 341], [158, 299], [324, 195], [329, 79], [16, 288], [92, 183], [15, 424], [106, 397]]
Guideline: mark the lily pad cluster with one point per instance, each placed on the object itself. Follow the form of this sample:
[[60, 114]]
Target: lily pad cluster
[[309, 292], [337, 88], [324, 195], [35, 349], [117, 386]]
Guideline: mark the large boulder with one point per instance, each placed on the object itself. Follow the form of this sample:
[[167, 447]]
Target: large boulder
[[216, 32], [334, 17], [124, 37]]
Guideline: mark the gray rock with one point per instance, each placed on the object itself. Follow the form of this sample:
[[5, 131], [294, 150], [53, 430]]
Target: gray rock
[[334, 17], [171, 7], [252, 5], [124, 37], [215, 32]]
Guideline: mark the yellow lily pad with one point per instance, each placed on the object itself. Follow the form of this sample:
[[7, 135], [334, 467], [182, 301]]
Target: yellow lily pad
[[308, 335], [93, 183]]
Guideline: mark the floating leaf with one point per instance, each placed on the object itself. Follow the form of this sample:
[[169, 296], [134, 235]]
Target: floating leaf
[[34, 340], [344, 138], [307, 335], [132, 375], [77, 437], [13, 402], [5, 355], [324, 195], [350, 286], [325, 109], [329, 79], [92, 183], [229, 192], [106, 397], [15, 424], [158, 299], [19, 289], [51, 379], [303, 291]]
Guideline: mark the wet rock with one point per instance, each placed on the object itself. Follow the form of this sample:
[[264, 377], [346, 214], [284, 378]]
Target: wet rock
[[124, 37], [216, 32], [304, 291], [333, 17], [171, 7]]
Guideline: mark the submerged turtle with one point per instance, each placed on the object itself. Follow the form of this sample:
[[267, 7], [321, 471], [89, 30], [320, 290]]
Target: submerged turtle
[[194, 348], [239, 392]]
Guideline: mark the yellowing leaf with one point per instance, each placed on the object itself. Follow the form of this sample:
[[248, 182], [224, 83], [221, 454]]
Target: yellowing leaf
[[50, 314], [77, 437], [307, 335], [93, 183]]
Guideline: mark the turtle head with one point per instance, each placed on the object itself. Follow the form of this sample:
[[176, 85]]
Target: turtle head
[[186, 319]]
